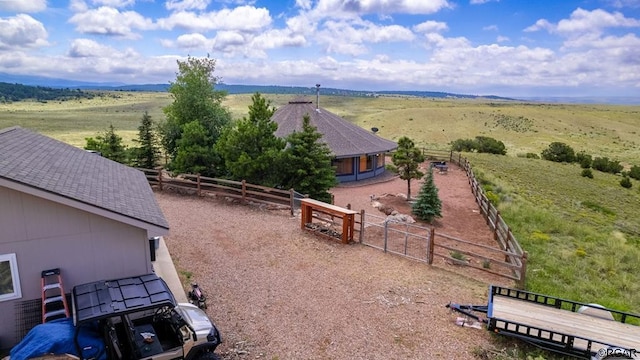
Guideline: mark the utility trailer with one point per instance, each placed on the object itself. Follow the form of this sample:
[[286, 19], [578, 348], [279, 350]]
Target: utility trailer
[[587, 331]]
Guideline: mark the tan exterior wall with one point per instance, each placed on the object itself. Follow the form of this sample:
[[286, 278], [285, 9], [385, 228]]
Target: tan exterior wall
[[46, 235]]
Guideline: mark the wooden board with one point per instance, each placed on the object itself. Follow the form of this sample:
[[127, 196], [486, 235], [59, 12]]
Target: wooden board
[[599, 330]]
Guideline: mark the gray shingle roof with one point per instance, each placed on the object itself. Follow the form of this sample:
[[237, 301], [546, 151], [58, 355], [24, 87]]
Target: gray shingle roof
[[343, 138], [53, 166]]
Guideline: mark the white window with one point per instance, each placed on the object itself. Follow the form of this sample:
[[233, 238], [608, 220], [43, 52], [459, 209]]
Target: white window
[[9, 278]]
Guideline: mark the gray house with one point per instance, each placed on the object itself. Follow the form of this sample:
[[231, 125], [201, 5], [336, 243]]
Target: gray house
[[358, 153], [63, 207]]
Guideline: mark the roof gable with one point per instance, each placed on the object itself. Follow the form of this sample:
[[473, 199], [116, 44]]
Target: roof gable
[[49, 165], [343, 138]]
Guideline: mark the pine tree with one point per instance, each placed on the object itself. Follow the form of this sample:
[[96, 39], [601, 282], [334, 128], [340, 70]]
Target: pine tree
[[428, 206], [250, 149], [308, 163], [148, 153], [406, 161], [108, 144]]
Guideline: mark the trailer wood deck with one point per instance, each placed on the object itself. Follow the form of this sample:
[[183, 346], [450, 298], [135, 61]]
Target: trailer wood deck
[[509, 311]]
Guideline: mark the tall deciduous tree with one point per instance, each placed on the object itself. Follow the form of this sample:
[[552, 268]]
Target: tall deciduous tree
[[147, 154], [406, 162], [428, 205], [108, 144], [308, 163], [194, 99], [250, 149]]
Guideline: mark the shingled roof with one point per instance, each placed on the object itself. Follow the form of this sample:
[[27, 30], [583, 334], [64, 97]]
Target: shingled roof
[[343, 138], [42, 163]]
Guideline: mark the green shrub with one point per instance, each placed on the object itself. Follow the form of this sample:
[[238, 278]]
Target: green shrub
[[587, 173], [532, 156], [493, 198], [605, 165], [584, 159], [488, 145], [559, 152], [634, 172], [626, 182], [466, 145], [458, 256], [481, 144]]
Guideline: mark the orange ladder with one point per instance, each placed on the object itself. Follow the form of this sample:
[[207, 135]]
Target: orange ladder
[[54, 300]]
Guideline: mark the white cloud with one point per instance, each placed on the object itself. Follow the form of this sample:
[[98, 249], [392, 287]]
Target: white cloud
[[78, 6], [430, 26], [381, 6], [584, 21], [303, 4], [277, 38], [110, 21], [22, 31], [23, 6], [84, 48], [114, 3], [193, 41], [501, 39], [182, 5], [541, 24], [350, 37], [243, 18], [490, 28], [594, 21]]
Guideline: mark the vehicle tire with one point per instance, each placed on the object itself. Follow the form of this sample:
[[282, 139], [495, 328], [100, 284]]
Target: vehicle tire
[[207, 356]]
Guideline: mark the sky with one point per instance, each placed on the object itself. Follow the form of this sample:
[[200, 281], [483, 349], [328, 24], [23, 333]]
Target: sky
[[477, 47]]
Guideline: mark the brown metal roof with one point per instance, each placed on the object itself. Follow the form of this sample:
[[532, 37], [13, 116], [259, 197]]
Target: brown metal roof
[[46, 164], [343, 138]]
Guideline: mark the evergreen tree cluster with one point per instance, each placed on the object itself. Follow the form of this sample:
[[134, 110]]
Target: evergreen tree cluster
[[18, 92], [199, 137]]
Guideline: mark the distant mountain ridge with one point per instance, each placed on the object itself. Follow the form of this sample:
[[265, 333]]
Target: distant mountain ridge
[[301, 90]]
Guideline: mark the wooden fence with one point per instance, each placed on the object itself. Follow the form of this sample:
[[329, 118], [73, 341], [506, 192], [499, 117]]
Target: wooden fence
[[419, 243], [240, 190]]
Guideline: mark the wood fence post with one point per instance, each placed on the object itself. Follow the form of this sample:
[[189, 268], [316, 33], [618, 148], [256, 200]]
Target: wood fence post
[[160, 179], [495, 228], [361, 236], [431, 245], [244, 191], [198, 182], [523, 271], [291, 203]]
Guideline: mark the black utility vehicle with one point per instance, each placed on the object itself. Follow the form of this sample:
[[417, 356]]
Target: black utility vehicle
[[138, 318]]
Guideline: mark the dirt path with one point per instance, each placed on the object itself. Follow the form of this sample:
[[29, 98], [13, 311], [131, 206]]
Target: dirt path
[[277, 292]]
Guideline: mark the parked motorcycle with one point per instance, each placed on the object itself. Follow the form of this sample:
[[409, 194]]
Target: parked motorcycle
[[196, 296]]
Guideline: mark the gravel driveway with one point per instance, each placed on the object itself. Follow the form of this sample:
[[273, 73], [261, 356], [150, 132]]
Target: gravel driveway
[[277, 292]]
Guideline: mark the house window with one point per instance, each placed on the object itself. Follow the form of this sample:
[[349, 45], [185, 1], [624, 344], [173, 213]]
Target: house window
[[343, 166], [366, 163], [9, 279], [380, 158]]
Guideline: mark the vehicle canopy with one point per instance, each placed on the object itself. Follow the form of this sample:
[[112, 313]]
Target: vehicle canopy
[[106, 298]]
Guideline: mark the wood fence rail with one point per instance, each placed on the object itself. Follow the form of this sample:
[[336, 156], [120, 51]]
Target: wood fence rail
[[240, 190]]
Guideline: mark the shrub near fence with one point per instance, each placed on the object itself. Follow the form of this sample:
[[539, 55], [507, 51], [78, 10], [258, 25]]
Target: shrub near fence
[[240, 190]]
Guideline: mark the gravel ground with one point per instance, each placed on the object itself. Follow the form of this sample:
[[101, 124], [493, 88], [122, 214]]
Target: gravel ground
[[278, 292]]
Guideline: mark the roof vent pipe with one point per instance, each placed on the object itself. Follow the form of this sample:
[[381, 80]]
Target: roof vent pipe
[[317, 97]]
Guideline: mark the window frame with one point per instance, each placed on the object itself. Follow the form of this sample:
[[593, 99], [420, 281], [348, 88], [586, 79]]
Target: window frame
[[15, 277]]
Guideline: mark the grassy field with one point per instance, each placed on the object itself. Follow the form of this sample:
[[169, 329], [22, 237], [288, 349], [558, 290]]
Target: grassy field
[[583, 235]]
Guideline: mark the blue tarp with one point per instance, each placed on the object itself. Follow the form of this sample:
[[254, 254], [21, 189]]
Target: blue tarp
[[56, 337]]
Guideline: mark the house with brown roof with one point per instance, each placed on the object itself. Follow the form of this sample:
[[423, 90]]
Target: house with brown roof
[[358, 153], [63, 207]]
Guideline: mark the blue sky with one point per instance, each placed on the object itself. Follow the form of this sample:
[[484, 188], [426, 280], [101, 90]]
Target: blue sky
[[486, 47]]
